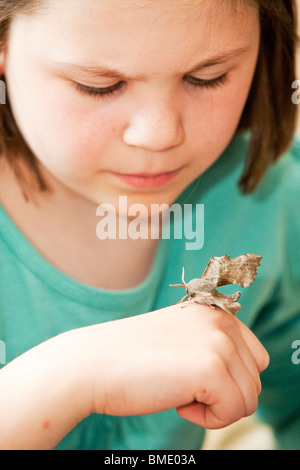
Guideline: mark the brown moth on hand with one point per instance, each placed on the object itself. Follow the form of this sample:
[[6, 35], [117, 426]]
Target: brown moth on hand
[[221, 271]]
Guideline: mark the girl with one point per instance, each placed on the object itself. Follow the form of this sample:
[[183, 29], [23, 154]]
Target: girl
[[140, 99]]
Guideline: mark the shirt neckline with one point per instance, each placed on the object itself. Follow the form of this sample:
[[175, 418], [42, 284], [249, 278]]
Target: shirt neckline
[[83, 293]]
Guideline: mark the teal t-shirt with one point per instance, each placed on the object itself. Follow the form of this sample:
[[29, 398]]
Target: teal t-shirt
[[37, 301]]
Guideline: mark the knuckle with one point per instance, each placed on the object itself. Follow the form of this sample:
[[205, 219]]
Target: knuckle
[[250, 398], [259, 387], [214, 366], [224, 345], [251, 406], [225, 322], [262, 358], [232, 414], [265, 361]]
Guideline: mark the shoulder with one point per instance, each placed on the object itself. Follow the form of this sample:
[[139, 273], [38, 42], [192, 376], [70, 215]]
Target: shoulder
[[290, 162], [290, 168], [293, 167], [294, 150], [284, 177], [281, 183]]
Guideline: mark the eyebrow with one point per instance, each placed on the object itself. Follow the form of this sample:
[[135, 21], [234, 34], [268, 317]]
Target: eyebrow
[[102, 71]]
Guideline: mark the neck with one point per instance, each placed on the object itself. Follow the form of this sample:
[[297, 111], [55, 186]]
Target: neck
[[61, 225]]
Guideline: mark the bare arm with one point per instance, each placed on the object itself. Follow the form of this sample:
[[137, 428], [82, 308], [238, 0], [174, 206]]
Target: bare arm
[[42, 395], [203, 362]]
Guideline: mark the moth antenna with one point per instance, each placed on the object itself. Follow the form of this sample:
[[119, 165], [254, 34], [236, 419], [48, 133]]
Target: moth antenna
[[179, 285], [183, 277]]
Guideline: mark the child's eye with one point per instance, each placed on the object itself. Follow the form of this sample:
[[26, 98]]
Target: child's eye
[[108, 91], [199, 82], [99, 92]]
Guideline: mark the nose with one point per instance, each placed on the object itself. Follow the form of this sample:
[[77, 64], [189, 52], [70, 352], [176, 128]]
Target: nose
[[156, 126]]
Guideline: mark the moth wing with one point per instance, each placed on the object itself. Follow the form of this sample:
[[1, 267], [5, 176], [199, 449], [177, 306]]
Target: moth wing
[[228, 303], [223, 270], [215, 269]]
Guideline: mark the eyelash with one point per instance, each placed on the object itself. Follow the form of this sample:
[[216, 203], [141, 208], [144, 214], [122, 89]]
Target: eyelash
[[109, 91], [99, 92]]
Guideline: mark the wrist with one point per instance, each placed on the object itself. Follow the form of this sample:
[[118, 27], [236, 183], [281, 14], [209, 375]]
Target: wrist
[[44, 395], [72, 363]]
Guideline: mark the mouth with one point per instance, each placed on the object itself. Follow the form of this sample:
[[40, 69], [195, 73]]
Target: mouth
[[147, 180]]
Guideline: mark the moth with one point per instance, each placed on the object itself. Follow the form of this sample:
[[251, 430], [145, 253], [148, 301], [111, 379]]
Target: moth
[[221, 271]]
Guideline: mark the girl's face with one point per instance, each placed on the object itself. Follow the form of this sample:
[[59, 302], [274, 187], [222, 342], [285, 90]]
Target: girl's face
[[113, 96]]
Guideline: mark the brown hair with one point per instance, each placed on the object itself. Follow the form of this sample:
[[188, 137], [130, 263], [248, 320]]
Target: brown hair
[[269, 114]]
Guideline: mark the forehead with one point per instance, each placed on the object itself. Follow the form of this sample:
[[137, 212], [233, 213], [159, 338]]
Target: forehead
[[137, 32]]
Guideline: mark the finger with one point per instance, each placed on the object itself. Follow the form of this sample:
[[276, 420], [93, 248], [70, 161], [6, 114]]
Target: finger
[[247, 381], [217, 409], [238, 388], [247, 357], [251, 350], [259, 353]]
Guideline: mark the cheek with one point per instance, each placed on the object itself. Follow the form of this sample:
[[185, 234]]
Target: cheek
[[221, 114], [225, 116], [91, 132], [72, 138], [94, 131], [215, 121]]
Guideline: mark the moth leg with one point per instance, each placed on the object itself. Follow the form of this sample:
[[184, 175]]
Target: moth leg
[[184, 299]]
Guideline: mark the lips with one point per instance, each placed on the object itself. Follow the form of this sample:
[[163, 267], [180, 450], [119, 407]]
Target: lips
[[147, 180]]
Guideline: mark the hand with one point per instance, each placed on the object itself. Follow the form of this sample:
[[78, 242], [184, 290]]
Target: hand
[[201, 361]]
